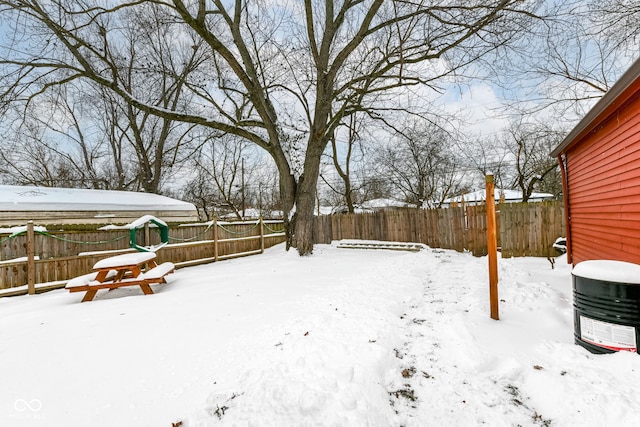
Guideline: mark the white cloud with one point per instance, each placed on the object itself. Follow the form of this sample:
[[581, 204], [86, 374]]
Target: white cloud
[[478, 106]]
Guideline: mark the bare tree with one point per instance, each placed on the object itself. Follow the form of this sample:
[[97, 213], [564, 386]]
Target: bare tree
[[343, 157], [225, 165], [530, 145], [198, 190], [110, 118], [28, 162], [617, 21], [229, 177], [57, 132], [518, 157], [420, 165], [156, 67], [135, 149], [282, 78], [261, 187], [374, 187], [101, 142], [571, 59], [483, 155]]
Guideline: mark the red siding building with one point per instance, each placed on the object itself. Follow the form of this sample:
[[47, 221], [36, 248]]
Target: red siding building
[[600, 164]]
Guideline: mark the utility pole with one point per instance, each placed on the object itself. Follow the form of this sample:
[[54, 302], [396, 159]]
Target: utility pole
[[243, 206], [260, 197], [31, 263]]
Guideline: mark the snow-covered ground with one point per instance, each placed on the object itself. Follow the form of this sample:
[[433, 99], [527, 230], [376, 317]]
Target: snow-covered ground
[[345, 337]]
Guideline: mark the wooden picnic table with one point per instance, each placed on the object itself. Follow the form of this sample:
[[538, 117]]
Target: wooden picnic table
[[136, 269]]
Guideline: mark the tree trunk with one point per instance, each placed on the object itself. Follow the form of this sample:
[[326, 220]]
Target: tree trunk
[[303, 220], [348, 196]]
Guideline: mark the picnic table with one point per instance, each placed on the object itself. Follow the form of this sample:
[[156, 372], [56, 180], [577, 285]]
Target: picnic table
[[136, 269]]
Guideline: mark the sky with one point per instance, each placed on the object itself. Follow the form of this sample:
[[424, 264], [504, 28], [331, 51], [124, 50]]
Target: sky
[[343, 337], [479, 105]]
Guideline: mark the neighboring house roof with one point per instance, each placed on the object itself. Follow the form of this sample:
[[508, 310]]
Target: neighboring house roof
[[253, 213], [384, 203], [611, 101], [509, 196], [84, 205], [323, 210], [332, 210]]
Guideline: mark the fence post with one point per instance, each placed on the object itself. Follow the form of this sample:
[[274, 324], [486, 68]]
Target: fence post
[[31, 261], [492, 247], [215, 239], [261, 235]]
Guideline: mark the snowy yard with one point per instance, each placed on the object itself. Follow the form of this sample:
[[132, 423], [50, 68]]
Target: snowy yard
[[341, 338]]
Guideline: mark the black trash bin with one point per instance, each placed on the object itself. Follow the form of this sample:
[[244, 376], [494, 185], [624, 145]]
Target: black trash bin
[[606, 302]]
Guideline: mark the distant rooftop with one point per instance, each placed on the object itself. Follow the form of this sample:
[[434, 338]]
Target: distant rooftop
[[23, 198], [70, 205], [509, 196]]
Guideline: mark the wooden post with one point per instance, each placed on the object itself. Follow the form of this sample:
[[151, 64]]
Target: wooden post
[[261, 235], [147, 239], [31, 260], [215, 239], [492, 247]]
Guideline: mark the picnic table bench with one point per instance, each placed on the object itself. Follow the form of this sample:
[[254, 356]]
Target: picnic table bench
[[122, 270]]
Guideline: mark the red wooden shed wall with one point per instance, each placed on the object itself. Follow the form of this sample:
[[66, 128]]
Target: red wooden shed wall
[[603, 173]]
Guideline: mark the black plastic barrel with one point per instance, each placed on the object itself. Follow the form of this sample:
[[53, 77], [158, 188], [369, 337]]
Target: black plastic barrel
[[606, 302]]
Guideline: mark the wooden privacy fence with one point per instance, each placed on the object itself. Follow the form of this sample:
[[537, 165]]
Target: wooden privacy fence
[[524, 229], [60, 256]]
